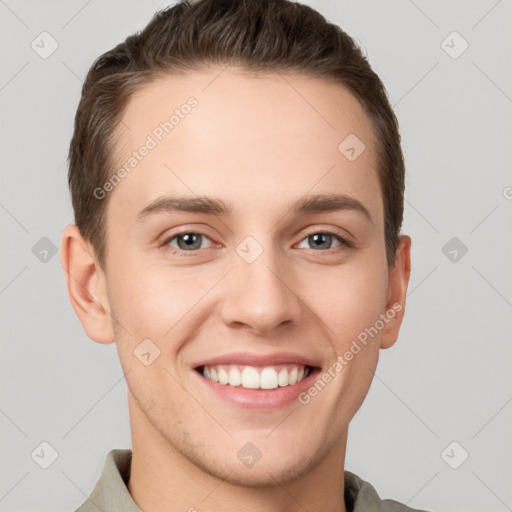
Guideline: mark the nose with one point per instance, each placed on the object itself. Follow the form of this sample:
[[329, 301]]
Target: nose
[[260, 296]]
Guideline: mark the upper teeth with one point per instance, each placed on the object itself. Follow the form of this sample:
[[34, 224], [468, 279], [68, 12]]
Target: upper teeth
[[250, 377]]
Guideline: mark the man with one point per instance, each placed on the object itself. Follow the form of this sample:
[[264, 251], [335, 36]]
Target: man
[[237, 181]]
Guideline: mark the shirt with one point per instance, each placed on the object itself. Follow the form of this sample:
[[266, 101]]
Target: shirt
[[110, 493]]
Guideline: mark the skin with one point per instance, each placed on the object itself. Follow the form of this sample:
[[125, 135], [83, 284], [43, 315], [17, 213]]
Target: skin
[[258, 144]]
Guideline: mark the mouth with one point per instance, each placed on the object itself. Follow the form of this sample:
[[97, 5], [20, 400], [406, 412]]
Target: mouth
[[253, 377], [262, 386]]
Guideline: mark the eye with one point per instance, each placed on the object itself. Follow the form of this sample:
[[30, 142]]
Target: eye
[[323, 240], [187, 242], [190, 242]]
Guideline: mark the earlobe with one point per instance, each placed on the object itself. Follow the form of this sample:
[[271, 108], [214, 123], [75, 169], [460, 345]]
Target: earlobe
[[86, 286], [398, 282]]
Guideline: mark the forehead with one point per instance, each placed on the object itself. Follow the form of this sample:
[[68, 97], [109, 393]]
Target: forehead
[[252, 139]]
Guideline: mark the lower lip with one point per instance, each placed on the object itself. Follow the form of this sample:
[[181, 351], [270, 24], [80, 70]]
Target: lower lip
[[259, 398]]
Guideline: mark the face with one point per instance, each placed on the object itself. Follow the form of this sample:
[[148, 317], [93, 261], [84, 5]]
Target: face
[[228, 314]]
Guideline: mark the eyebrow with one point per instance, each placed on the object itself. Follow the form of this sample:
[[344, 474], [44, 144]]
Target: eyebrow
[[213, 206]]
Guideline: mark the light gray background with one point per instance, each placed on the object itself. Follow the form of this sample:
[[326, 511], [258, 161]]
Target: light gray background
[[448, 377]]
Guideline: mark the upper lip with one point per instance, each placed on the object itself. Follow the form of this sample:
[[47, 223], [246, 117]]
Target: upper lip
[[248, 359]]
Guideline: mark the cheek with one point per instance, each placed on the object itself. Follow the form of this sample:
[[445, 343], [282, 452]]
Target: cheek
[[347, 299], [155, 301]]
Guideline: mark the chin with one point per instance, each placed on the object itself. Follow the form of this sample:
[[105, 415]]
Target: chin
[[245, 465], [264, 474]]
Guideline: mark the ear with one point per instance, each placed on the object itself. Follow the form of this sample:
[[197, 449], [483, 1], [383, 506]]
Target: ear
[[398, 281], [86, 285]]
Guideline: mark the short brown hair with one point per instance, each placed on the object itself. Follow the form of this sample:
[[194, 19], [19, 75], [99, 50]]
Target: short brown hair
[[257, 35]]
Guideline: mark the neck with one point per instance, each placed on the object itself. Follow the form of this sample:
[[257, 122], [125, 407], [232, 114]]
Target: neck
[[162, 479]]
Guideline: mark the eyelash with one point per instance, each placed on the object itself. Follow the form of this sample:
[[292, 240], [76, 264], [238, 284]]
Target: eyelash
[[343, 242]]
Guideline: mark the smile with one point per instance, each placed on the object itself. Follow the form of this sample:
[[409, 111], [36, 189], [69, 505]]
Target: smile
[[256, 381], [252, 377]]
